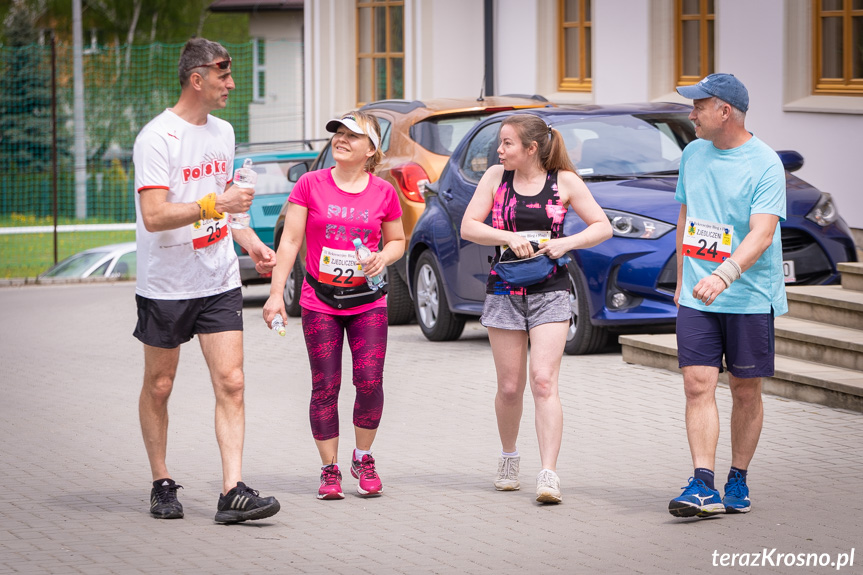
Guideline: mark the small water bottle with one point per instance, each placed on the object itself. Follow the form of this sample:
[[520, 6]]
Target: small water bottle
[[364, 253], [279, 325], [244, 177]]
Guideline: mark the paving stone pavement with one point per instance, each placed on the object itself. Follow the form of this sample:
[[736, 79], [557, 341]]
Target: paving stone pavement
[[76, 481]]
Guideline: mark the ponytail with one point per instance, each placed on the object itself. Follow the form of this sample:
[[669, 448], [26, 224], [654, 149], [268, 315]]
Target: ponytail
[[551, 149]]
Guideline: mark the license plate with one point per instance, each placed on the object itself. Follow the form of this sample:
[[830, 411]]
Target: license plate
[[788, 271]]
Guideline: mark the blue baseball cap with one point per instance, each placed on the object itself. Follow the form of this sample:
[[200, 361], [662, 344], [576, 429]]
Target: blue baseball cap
[[723, 86]]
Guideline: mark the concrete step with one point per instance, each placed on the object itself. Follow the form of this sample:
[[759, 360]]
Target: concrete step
[[820, 343], [852, 275], [793, 378], [826, 304]]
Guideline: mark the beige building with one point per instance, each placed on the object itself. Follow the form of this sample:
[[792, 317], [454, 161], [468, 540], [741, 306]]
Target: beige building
[[796, 57]]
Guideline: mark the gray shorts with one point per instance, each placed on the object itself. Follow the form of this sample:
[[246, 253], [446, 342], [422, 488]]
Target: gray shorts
[[518, 312]]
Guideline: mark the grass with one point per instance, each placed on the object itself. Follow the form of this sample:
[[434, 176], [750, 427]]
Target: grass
[[28, 255]]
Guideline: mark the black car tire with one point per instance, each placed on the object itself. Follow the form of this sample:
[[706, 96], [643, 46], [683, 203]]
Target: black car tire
[[293, 288], [400, 307], [436, 320], [583, 337]]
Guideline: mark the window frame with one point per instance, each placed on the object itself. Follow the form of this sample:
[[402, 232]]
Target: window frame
[[259, 70], [704, 49], [582, 83], [387, 55], [847, 85]]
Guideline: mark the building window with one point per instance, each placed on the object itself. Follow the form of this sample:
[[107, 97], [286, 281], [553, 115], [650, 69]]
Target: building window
[[574, 45], [838, 47], [259, 70], [693, 40], [380, 50]]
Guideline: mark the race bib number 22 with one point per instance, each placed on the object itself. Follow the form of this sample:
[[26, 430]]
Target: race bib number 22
[[705, 240]]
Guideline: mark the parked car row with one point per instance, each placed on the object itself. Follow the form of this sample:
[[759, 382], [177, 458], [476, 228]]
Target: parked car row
[[435, 154], [417, 139]]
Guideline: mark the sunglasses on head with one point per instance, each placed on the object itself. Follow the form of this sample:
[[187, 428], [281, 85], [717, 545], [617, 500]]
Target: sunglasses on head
[[223, 65]]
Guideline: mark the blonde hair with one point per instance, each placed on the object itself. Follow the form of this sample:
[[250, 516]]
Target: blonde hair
[[370, 124], [551, 149]]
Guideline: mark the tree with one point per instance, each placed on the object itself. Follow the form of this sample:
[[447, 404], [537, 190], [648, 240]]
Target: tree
[[25, 95]]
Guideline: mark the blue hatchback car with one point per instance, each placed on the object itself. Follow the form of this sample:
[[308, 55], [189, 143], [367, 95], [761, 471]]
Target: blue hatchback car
[[277, 171], [629, 157]]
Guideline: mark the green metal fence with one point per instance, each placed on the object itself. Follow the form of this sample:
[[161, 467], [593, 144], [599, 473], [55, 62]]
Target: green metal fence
[[124, 88]]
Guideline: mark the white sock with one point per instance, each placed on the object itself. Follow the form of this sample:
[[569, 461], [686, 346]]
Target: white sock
[[358, 454], [513, 454]]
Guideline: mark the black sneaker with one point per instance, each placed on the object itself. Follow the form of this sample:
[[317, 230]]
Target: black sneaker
[[163, 500], [243, 504]]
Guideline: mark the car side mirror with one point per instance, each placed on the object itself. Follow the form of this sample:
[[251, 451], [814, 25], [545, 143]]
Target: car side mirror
[[296, 171], [792, 160]]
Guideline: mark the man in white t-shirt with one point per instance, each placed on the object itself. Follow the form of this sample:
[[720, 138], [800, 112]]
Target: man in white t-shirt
[[188, 278]]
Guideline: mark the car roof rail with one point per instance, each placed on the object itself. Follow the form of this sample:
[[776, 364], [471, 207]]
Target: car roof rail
[[536, 97], [401, 106], [298, 145]]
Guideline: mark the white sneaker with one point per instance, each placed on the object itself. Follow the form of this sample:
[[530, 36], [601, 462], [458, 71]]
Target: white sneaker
[[548, 487], [507, 473]]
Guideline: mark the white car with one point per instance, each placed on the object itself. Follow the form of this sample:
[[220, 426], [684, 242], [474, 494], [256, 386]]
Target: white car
[[111, 261]]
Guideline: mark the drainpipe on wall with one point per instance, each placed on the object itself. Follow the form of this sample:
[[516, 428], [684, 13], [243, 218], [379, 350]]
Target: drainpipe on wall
[[488, 18]]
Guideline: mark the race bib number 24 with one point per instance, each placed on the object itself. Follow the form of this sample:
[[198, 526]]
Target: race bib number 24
[[705, 240]]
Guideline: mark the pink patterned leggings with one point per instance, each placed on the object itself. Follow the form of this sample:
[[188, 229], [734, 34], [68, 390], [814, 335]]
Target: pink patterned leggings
[[367, 338]]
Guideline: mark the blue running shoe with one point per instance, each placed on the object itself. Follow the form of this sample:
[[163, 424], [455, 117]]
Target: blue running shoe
[[736, 498], [696, 499]]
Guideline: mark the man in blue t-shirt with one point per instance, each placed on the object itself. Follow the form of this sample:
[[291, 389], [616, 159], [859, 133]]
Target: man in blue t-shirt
[[730, 285]]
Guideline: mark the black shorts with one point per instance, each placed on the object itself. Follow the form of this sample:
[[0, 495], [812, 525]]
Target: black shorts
[[169, 323], [745, 339]]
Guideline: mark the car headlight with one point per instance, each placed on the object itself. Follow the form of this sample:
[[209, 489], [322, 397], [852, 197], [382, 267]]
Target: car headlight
[[824, 213], [626, 225]]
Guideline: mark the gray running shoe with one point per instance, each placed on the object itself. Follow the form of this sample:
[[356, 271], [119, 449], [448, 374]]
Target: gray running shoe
[[507, 473], [548, 487]]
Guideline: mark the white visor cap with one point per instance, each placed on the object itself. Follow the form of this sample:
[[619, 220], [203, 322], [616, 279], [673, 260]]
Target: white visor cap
[[351, 124]]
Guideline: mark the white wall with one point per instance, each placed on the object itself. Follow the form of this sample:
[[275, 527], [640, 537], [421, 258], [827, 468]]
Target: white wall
[[453, 56], [280, 116], [620, 51], [751, 40], [516, 33]]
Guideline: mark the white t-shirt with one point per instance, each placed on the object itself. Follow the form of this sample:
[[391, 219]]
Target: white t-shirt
[[197, 260]]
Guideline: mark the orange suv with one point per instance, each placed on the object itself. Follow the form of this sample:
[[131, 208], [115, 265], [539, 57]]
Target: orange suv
[[417, 138]]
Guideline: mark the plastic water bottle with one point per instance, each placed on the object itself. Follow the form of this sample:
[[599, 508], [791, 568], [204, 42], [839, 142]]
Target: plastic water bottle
[[364, 253], [279, 325], [244, 177]]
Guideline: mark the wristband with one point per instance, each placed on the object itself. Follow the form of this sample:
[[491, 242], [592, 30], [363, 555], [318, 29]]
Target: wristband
[[728, 271], [207, 206]]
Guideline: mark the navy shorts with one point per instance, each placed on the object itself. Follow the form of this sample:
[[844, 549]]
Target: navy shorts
[[746, 341], [169, 323]]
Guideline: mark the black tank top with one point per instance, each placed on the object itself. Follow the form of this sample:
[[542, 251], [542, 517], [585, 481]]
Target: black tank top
[[532, 216]]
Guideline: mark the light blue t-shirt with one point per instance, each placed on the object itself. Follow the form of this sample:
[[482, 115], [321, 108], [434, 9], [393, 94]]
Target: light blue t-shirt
[[727, 187]]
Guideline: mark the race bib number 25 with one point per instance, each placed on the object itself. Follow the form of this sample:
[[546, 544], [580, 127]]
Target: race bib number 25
[[207, 232], [705, 240]]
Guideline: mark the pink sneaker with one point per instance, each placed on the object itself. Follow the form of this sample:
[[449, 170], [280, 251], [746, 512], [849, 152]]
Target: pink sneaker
[[331, 483], [370, 482]]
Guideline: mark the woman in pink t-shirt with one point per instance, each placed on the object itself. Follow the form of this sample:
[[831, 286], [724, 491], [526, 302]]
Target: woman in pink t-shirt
[[330, 208]]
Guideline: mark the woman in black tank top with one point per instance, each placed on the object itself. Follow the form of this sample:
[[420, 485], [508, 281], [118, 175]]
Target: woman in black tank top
[[528, 196]]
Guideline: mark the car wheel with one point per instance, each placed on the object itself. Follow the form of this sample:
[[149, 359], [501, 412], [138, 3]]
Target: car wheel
[[583, 337], [293, 288], [437, 322], [400, 308]]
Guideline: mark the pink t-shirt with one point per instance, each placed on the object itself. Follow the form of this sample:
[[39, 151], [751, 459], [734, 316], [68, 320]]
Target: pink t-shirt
[[335, 218]]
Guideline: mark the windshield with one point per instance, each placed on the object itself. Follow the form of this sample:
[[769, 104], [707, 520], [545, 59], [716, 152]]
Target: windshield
[[273, 178], [627, 145], [440, 135], [75, 265]]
